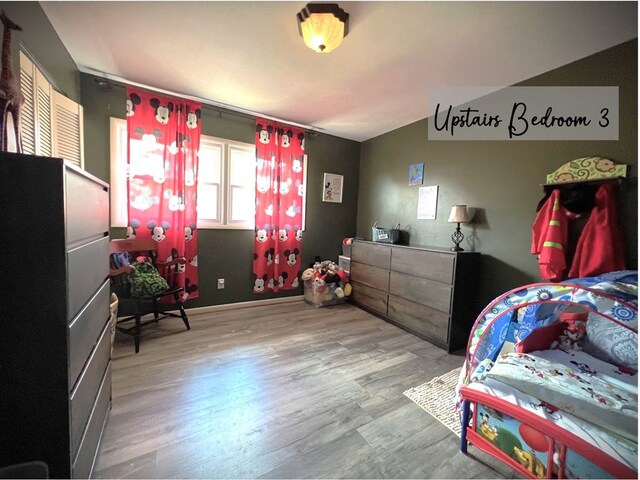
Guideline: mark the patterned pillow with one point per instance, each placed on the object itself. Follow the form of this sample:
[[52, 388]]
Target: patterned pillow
[[611, 342]]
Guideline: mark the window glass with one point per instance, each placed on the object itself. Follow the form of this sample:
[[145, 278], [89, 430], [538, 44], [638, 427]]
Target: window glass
[[242, 204], [209, 162], [207, 201]]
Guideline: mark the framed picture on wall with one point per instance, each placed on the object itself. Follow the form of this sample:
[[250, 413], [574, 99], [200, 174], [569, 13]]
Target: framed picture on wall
[[427, 202], [332, 188], [416, 173]]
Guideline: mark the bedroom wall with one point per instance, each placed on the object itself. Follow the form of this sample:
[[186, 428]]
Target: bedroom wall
[[229, 253], [500, 178], [40, 39]]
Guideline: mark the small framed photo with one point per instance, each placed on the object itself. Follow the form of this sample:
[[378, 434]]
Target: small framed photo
[[416, 173], [332, 186]]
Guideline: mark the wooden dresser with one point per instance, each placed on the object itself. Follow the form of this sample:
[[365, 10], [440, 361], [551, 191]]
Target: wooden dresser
[[55, 345], [429, 292]]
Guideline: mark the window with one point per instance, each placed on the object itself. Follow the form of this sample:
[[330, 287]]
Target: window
[[226, 184], [226, 179]]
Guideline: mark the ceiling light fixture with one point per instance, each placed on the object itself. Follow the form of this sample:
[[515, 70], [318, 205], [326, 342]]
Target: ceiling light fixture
[[323, 26]]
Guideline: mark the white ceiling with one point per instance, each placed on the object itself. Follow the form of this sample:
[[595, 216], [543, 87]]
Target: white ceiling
[[250, 55]]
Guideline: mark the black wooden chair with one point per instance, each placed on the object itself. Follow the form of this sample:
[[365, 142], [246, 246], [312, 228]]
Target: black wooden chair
[[134, 308]]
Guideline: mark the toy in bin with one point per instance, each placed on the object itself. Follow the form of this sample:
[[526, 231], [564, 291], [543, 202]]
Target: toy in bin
[[325, 284]]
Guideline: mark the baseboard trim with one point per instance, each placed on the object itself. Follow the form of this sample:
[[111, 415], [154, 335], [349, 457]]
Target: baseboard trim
[[238, 305]]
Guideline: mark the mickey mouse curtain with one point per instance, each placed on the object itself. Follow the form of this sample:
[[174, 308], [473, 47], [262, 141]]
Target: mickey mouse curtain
[[162, 151], [277, 261]]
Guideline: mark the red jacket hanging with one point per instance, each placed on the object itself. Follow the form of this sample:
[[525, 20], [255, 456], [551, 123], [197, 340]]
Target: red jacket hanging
[[550, 238], [600, 248]]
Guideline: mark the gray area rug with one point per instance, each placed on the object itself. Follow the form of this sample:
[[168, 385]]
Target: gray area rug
[[437, 397]]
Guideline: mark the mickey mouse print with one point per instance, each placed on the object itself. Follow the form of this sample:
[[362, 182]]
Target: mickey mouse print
[[277, 261], [164, 138]]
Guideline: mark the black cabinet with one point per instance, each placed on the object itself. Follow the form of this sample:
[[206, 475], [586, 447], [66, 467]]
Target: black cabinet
[[55, 384]]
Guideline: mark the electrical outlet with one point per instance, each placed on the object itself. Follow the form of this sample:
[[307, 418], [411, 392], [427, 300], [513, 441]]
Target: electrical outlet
[[220, 283]]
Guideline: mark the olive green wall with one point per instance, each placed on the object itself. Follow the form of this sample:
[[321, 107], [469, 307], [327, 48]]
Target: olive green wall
[[41, 40], [500, 178], [228, 254]]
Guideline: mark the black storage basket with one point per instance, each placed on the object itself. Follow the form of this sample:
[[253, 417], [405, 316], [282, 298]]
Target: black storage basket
[[385, 235]]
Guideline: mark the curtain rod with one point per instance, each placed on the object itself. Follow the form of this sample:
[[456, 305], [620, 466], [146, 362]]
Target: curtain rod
[[204, 101]]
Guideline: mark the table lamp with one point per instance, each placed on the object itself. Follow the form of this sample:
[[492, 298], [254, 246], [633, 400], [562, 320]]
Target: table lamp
[[459, 214]]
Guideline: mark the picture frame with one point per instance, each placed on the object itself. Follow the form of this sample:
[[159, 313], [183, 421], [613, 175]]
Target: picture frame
[[332, 187], [427, 202], [416, 174]]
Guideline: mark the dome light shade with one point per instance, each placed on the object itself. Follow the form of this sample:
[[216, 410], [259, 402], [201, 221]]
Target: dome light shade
[[323, 26]]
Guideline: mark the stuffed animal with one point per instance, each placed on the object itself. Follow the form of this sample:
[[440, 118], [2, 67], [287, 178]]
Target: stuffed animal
[[332, 278], [344, 278], [308, 274]]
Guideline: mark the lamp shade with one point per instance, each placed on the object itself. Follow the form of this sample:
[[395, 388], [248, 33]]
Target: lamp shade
[[459, 214], [323, 26]]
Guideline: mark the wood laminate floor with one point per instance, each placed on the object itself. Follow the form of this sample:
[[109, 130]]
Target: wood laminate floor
[[279, 391]]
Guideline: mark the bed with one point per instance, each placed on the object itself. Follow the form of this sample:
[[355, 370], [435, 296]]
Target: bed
[[549, 385]]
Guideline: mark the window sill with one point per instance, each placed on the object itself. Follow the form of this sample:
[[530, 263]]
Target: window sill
[[225, 227]]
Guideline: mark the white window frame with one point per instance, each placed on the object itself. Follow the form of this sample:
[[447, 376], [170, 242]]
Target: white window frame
[[118, 190], [224, 190]]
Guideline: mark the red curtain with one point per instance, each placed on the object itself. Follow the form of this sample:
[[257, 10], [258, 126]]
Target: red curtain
[[277, 261], [164, 138]]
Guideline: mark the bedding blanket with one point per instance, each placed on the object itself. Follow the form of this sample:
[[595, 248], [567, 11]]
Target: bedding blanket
[[577, 383]]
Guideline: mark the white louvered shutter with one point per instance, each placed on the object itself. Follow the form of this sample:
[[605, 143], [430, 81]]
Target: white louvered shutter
[[44, 143], [67, 129], [28, 111]]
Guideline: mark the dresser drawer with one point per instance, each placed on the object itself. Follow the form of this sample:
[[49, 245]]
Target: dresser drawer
[[84, 459], [371, 254], [371, 298], [87, 207], [84, 395], [373, 276], [423, 320], [433, 265], [87, 269], [84, 331], [420, 290]]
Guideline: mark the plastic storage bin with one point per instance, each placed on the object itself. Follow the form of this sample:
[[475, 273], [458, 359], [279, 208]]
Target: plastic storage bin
[[322, 295], [344, 262]]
